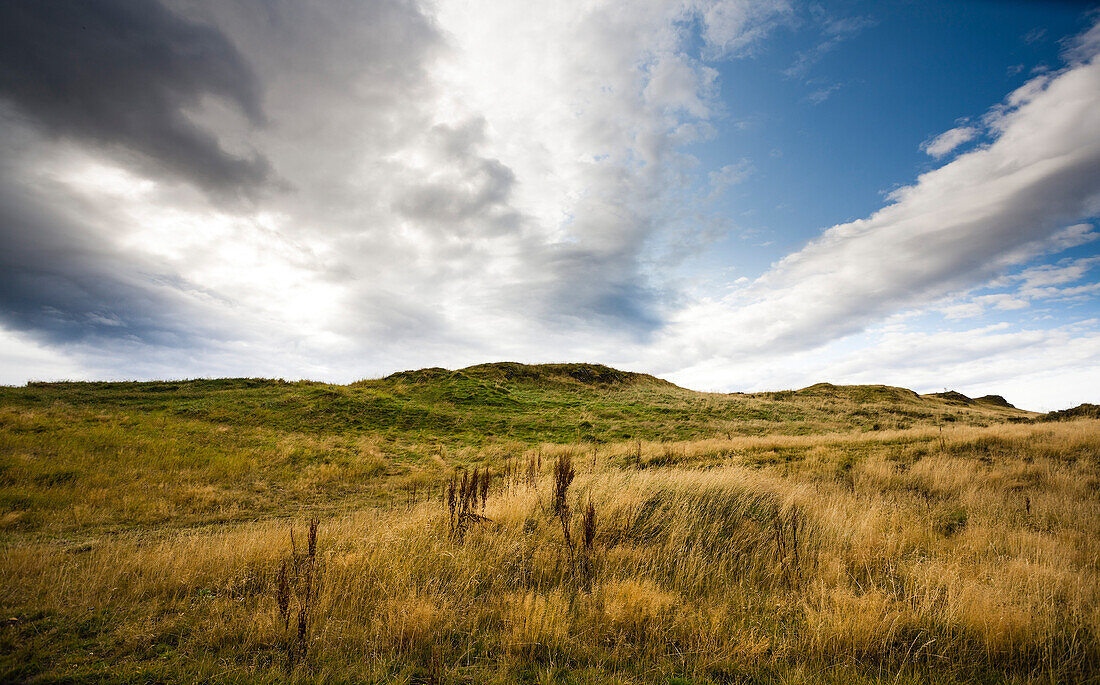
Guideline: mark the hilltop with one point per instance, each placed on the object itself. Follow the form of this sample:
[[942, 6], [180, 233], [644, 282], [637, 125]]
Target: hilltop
[[542, 374], [1081, 411], [957, 398]]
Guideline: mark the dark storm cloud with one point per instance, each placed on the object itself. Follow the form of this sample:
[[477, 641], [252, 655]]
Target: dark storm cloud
[[62, 281], [119, 73]]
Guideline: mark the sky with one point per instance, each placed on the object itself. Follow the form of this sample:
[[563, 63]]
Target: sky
[[736, 195]]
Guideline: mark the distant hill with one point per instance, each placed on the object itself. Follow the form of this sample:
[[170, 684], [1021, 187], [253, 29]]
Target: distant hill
[[951, 396], [995, 400], [1081, 411], [860, 393], [550, 374], [508, 402], [959, 398]]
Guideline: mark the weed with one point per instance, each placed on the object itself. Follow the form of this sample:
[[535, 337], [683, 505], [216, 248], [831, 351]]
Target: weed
[[563, 477], [588, 536], [533, 467], [299, 579], [789, 527], [483, 488], [462, 498]]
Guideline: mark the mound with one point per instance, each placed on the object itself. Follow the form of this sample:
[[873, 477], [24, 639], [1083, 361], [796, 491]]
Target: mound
[[951, 396], [429, 375], [995, 400], [1081, 411], [858, 393], [584, 374]]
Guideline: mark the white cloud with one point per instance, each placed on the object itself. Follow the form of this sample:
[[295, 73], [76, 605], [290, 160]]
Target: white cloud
[[1057, 274], [735, 26], [443, 188], [729, 175], [834, 31], [1020, 289], [822, 94], [1084, 46], [947, 141], [25, 359]]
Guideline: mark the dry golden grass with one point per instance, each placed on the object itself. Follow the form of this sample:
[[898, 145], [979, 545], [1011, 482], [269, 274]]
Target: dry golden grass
[[967, 555]]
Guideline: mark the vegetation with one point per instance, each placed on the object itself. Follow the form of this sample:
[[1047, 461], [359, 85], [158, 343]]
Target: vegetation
[[573, 523]]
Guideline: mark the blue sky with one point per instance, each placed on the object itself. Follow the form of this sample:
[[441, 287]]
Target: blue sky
[[732, 194]]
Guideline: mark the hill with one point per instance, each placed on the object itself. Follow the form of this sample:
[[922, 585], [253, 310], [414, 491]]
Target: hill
[[958, 398], [1081, 411], [539, 374], [509, 402]]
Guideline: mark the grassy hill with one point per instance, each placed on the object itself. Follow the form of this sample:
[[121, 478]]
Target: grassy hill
[[828, 534], [513, 402], [232, 449]]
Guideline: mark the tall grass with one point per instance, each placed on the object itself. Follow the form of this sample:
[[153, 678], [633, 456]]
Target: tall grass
[[893, 558]]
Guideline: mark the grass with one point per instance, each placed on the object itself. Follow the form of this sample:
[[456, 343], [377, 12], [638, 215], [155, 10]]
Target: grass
[[144, 543]]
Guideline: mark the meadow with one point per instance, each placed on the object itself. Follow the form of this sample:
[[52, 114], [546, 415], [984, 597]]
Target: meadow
[[554, 523]]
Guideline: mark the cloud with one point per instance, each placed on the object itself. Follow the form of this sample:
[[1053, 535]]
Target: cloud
[[947, 141], [729, 175], [591, 137], [989, 359], [1084, 46], [822, 94], [834, 31], [677, 83], [1067, 271], [1035, 35], [25, 359], [735, 27], [62, 280], [1018, 290], [443, 189], [1034, 368], [123, 75], [461, 189]]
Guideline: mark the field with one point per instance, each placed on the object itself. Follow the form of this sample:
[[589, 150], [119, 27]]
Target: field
[[629, 532]]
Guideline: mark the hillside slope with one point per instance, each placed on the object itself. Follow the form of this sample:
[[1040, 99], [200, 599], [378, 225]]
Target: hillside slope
[[515, 402]]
